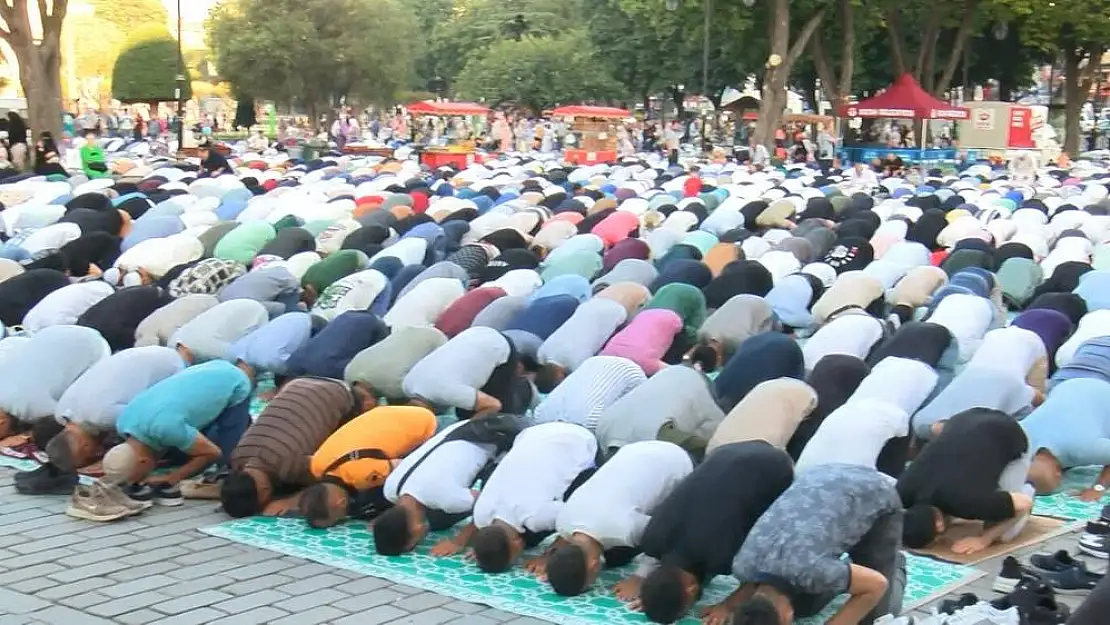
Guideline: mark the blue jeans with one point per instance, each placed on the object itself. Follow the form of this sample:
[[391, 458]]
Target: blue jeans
[[229, 427]]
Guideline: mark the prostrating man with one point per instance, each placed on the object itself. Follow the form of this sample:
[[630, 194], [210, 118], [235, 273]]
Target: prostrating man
[[675, 405], [478, 371], [582, 336], [537, 322], [432, 488], [274, 287], [974, 469], [843, 509], [694, 533], [384, 365], [210, 335], [604, 520], [328, 352], [36, 373], [520, 502], [595, 386], [89, 409], [771, 412], [1071, 429], [276, 450], [201, 412], [354, 462]]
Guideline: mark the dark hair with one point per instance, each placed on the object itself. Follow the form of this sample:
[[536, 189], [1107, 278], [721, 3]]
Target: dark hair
[[566, 570], [60, 453], [705, 356], [757, 610], [491, 548], [662, 595], [44, 430], [391, 532], [903, 312], [919, 526], [314, 506], [239, 495], [547, 377]]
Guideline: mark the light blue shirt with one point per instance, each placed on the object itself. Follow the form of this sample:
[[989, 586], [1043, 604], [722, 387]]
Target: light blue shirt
[[36, 371], [1073, 423], [99, 396], [269, 347], [1094, 288], [170, 414]]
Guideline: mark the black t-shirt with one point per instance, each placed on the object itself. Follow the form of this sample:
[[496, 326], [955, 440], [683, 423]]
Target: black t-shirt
[[958, 471], [19, 294], [117, 316], [700, 526], [215, 161]]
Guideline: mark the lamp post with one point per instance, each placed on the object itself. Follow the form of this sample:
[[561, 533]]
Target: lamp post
[[179, 91]]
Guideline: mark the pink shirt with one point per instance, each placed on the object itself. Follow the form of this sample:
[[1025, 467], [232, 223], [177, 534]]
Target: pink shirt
[[646, 339], [616, 227]]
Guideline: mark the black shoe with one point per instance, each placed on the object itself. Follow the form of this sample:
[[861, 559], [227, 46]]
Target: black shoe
[[1098, 527], [140, 492], [168, 495], [45, 480], [1105, 514], [1030, 592], [951, 606], [1074, 580], [1011, 575], [1097, 546], [1046, 612], [1055, 563]]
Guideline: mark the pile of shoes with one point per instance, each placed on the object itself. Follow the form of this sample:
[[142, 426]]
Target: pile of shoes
[[1095, 540], [1061, 572], [103, 502]]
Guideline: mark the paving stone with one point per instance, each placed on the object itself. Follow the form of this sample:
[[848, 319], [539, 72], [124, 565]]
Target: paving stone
[[248, 586], [195, 617], [265, 614], [193, 601], [200, 570], [358, 603], [497, 615], [139, 617], [220, 553], [26, 572], [423, 601], [111, 553], [141, 584], [153, 555], [135, 572], [315, 616], [464, 607], [251, 601], [55, 592], [526, 620], [362, 585], [261, 568], [473, 619], [20, 603], [33, 585], [406, 590], [97, 569], [429, 617], [58, 615], [180, 589], [313, 583], [84, 600], [381, 614], [307, 601], [104, 542], [123, 605]]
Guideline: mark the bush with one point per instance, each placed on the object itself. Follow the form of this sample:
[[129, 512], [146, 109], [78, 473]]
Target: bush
[[146, 69]]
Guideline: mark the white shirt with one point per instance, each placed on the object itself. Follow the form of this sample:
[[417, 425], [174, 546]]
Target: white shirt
[[527, 487], [211, 334], [902, 382], [64, 306], [855, 434], [424, 303], [354, 292], [850, 334], [967, 317], [591, 389], [1012, 350], [614, 506], [104, 389], [50, 238], [410, 251], [36, 372], [442, 481], [518, 282], [159, 255], [584, 334], [1093, 324]]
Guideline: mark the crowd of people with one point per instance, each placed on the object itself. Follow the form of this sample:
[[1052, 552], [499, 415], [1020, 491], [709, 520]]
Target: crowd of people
[[712, 370]]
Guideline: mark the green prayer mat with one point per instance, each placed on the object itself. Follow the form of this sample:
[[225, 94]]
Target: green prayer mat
[[1065, 504], [350, 547]]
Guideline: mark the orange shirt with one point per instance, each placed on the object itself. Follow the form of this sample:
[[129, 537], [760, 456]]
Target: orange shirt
[[395, 430]]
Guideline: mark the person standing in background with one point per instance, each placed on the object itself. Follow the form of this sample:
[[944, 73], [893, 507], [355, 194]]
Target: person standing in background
[[17, 139]]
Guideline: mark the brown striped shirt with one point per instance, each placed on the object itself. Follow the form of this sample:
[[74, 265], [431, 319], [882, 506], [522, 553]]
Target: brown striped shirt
[[292, 427]]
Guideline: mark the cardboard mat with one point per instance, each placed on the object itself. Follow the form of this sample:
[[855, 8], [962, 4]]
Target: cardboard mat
[[350, 547], [1038, 529]]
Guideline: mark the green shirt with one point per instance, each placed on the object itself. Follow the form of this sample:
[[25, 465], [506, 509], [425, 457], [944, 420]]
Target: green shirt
[[243, 243], [333, 268], [686, 300]]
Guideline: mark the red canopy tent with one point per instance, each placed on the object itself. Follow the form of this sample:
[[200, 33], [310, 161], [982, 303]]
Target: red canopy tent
[[582, 110], [431, 107], [905, 99]]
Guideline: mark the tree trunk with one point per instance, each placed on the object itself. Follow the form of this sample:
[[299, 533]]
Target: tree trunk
[[955, 55], [39, 60], [848, 52], [1073, 101], [897, 52], [775, 81]]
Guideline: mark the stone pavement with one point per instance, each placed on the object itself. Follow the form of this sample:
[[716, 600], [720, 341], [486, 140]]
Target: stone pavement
[[157, 568]]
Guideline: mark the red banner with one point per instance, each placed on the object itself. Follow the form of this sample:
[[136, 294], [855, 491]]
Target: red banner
[[1020, 136]]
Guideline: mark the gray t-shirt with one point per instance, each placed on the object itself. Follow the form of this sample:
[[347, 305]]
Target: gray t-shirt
[[385, 364], [678, 394], [831, 508], [262, 285]]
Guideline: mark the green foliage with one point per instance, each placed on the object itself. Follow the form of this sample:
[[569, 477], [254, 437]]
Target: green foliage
[[103, 34], [538, 72], [130, 14], [146, 70], [314, 53]]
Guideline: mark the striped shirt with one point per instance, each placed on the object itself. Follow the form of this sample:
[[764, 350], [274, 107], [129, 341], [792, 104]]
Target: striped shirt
[[292, 427], [590, 390]]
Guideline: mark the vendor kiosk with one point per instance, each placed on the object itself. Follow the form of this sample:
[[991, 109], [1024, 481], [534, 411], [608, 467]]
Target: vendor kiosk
[[459, 156], [596, 130]]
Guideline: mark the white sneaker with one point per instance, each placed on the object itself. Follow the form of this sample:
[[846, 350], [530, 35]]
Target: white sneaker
[[977, 614], [1009, 616]]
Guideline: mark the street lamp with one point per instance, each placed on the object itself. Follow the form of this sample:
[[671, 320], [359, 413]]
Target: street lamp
[[179, 91]]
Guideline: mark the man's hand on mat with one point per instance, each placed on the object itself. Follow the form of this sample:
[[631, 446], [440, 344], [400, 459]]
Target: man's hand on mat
[[628, 589], [445, 548], [538, 567], [1090, 494], [716, 614], [970, 545]]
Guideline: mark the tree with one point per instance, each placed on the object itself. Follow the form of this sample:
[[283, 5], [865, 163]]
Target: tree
[[538, 73], [836, 69], [785, 51], [298, 52], [103, 35], [939, 25], [39, 58], [146, 71]]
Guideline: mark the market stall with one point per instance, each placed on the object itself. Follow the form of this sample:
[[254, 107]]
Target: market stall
[[904, 99], [459, 156], [595, 132]]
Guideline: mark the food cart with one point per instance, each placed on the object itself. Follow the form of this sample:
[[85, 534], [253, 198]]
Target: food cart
[[457, 156], [597, 131]]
